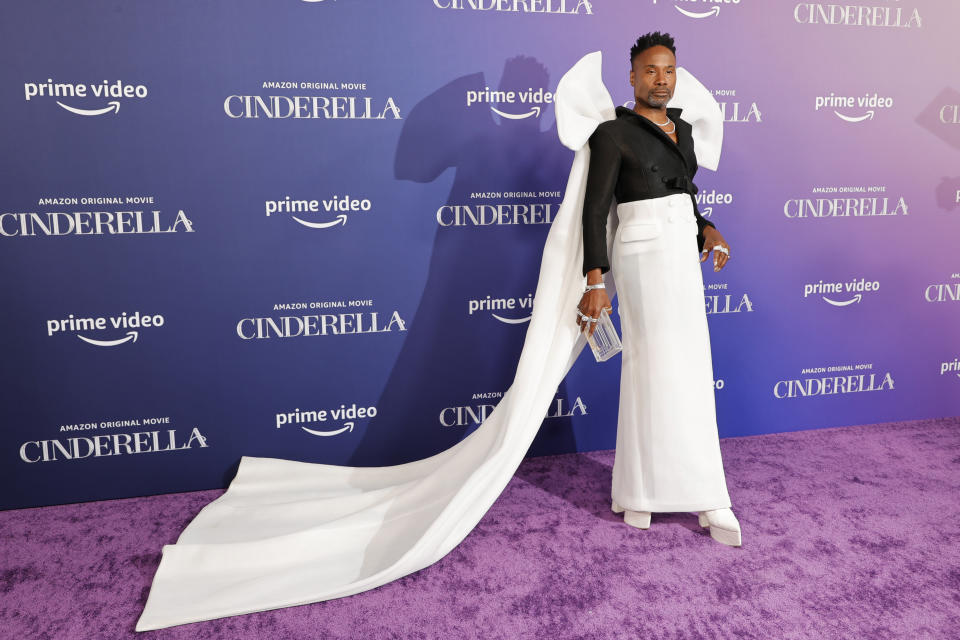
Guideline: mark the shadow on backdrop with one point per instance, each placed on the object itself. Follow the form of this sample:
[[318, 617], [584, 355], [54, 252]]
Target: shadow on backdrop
[[450, 355]]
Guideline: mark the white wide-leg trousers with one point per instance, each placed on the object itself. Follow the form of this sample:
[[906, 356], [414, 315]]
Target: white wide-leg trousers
[[668, 448]]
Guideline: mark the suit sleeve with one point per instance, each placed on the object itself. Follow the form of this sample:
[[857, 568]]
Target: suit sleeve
[[702, 223], [601, 183]]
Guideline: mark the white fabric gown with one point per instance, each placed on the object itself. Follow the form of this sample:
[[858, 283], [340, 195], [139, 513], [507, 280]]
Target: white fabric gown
[[668, 448], [288, 533]]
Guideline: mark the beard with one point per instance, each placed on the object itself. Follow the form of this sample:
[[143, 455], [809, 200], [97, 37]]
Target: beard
[[658, 101]]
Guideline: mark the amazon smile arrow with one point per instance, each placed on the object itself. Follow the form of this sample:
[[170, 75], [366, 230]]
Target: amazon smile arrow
[[340, 219], [131, 337], [706, 14], [867, 116], [113, 105]]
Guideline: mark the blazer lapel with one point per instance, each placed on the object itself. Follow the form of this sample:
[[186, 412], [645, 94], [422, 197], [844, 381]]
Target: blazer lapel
[[674, 114]]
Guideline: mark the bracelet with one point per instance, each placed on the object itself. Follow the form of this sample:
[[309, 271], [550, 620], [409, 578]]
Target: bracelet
[[595, 286]]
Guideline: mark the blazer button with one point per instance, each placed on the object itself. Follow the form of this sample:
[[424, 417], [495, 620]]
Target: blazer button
[[654, 167], [664, 179]]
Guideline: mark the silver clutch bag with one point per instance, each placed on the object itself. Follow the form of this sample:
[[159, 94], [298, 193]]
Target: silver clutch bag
[[604, 342]]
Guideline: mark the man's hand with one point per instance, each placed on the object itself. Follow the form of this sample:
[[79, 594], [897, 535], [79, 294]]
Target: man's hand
[[593, 303], [713, 239]]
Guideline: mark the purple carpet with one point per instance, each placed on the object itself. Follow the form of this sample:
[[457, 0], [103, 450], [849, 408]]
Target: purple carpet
[[851, 532]]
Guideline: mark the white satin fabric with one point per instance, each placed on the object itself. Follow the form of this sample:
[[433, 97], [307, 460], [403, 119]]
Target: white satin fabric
[[668, 448], [287, 533]]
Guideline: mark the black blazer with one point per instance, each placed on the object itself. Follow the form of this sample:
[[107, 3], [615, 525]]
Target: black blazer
[[631, 159]]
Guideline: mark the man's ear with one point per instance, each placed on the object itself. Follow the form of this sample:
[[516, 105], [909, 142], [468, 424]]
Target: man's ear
[[631, 76]]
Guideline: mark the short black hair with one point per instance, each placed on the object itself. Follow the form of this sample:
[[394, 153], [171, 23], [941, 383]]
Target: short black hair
[[653, 39]]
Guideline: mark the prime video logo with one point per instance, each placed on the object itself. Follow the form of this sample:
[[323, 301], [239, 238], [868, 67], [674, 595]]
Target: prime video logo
[[320, 418], [867, 104], [69, 90], [855, 290], [336, 204], [533, 97], [492, 305], [135, 320]]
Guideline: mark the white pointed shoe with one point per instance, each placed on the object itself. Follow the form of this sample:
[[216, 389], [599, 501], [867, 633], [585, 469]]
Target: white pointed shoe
[[638, 519], [724, 526]]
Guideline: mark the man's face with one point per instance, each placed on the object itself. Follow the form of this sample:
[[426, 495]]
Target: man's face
[[654, 76]]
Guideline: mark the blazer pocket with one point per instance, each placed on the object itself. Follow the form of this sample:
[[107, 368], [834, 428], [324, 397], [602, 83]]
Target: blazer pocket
[[640, 231]]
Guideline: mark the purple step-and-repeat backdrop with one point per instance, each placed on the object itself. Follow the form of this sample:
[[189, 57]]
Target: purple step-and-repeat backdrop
[[312, 229]]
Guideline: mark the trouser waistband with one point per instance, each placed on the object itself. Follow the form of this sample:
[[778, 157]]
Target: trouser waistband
[[676, 207]]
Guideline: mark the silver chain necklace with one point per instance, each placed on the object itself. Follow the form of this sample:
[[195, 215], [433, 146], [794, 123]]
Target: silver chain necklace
[[663, 124]]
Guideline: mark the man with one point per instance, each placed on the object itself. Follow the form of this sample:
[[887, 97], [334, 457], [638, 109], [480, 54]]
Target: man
[[384, 522], [667, 456]]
